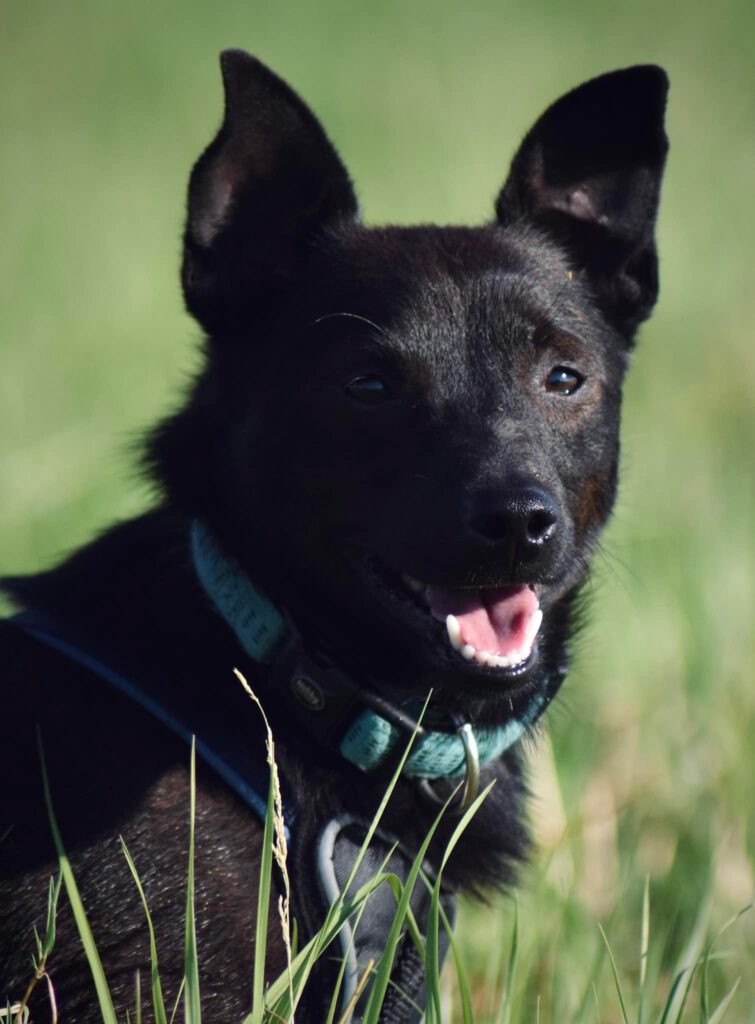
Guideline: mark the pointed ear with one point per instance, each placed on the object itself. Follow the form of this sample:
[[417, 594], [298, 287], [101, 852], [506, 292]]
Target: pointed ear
[[258, 195], [589, 173]]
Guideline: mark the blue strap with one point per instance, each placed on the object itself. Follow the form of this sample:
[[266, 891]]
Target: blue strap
[[252, 790]]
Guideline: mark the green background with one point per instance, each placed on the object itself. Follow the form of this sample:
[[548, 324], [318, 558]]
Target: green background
[[103, 108]]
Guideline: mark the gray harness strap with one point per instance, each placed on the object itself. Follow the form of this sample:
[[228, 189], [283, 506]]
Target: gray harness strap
[[333, 854]]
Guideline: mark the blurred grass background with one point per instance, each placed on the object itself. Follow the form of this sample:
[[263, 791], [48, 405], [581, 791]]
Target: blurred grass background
[[651, 764]]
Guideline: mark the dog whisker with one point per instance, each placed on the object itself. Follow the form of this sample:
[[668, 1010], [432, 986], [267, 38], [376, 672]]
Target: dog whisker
[[352, 316]]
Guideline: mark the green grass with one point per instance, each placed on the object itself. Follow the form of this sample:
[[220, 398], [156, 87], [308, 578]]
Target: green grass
[[650, 766], [671, 1000]]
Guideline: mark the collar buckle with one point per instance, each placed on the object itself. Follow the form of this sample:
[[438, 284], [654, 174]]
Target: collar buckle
[[472, 770]]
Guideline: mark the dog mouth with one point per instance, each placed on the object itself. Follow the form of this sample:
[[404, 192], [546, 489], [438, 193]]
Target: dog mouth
[[494, 627]]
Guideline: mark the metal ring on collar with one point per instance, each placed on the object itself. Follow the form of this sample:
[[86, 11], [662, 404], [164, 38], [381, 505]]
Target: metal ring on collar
[[472, 776]]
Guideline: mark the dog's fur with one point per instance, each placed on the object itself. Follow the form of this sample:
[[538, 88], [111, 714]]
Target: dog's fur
[[310, 487]]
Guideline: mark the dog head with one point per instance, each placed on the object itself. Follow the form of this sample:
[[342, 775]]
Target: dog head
[[409, 436]]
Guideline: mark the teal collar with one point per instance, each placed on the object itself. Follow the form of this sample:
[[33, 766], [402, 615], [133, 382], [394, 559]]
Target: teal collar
[[366, 729]]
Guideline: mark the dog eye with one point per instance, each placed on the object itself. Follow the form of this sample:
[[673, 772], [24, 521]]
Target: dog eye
[[368, 390], [562, 380]]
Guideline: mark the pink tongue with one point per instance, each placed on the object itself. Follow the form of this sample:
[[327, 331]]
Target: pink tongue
[[493, 620]]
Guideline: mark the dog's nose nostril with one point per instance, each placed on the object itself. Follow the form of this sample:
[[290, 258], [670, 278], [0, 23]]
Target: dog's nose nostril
[[540, 526]]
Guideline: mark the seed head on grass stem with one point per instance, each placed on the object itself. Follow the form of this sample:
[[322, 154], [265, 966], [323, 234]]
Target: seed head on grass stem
[[280, 846]]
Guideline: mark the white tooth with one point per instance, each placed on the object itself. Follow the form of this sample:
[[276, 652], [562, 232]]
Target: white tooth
[[468, 652], [454, 632]]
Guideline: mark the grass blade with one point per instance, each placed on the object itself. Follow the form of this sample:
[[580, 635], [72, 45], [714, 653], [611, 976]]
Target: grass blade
[[617, 981], [278, 996], [385, 964], [48, 941], [505, 1012], [335, 918], [192, 1004], [263, 907], [644, 948], [465, 996], [718, 1014], [587, 993], [665, 1017], [274, 848], [138, 997], [688, 963], [335, 997], [386, 797], [20, 1012], [346, 1015], [105, 1000], [177, 1003], [158, 1003], [396, 887], [704, 1013], [432, 966]]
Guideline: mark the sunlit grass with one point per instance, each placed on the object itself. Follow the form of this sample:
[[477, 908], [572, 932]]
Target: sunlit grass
[[105, 107]]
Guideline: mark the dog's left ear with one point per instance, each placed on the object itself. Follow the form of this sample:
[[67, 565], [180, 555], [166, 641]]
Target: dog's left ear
[[589, 173], [261, 192]]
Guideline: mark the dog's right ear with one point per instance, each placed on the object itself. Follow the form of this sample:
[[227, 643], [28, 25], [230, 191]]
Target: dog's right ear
[[262, 190], [589, 173]]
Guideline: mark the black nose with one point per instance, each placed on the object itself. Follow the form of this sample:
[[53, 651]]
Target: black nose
[[522, 519]]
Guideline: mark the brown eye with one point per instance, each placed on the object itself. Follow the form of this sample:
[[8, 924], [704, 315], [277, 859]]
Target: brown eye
[[368, 390], [562, 380]]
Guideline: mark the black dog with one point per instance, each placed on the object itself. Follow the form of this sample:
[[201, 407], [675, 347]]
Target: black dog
[[389, 477]]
